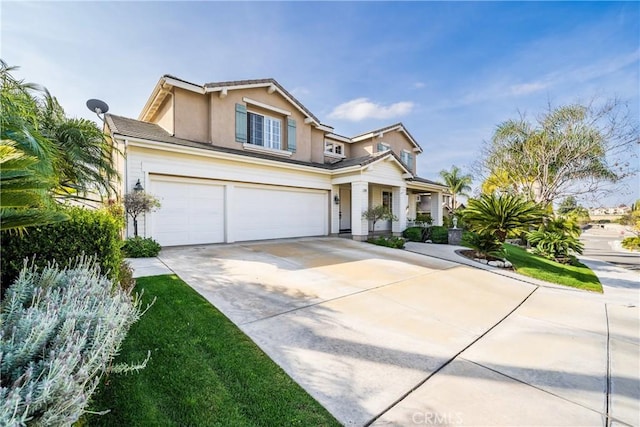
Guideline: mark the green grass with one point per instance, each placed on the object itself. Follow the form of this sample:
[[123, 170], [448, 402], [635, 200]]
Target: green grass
[[203, 371], [577, 276]]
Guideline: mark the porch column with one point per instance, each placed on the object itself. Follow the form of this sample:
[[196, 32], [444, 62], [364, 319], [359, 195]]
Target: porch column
[[399, 208], [359, 204], [412, 206], [436, 207], [334, 210]]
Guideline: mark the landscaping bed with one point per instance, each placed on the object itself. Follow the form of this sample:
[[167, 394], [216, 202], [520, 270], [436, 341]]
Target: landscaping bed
[[576, 275]]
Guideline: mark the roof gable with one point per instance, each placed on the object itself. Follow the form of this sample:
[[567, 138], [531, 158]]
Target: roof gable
[[167, 81], [397, 127]]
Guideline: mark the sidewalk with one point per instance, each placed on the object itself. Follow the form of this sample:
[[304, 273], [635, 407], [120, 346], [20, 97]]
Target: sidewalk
[[143, 267]]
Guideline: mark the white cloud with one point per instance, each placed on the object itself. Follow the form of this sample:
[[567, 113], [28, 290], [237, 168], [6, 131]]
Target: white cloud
[[527, 88], [361, 108], [419, 85]]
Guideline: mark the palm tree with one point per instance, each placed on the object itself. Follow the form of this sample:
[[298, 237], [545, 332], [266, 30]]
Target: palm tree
[[26, 159], [502, 214], [85, 162], [24, 197], [457, 183]]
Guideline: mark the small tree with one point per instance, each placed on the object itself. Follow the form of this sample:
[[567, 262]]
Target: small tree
[[378, 213], [501, 215], [139, 202]]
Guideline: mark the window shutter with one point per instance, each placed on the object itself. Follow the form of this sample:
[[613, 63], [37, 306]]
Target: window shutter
[[241, 123], [291, 135]]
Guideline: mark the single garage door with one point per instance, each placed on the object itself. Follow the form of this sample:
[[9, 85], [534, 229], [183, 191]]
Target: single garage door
[[267, 212], [192, 211]]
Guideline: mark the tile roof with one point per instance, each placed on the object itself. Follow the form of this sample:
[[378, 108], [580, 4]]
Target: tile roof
[[153, 132], [425, 181]]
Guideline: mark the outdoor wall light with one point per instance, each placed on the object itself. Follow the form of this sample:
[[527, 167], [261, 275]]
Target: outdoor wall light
[[138, 187], [336, 199]]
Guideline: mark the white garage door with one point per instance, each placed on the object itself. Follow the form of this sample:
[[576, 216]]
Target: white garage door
[[273, 213], [192, 211]]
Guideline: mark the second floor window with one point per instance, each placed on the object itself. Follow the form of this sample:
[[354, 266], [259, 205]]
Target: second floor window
[[264, 131], [383, 147], [406, 158], [333, 148]]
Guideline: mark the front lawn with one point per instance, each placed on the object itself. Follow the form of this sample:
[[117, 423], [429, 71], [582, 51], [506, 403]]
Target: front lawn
[[577, 276], [203, 371]]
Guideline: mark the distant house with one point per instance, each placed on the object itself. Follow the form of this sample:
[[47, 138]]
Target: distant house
[[245, 160], [602, 211]]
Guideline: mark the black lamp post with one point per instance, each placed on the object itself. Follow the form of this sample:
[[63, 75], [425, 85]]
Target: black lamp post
[[136, 188]]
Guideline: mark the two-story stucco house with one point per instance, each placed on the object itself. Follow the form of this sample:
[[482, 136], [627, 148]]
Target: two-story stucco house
[[244, 160]]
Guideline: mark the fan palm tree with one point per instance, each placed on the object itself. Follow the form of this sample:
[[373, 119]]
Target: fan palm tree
[[502, 214], [457, 184]]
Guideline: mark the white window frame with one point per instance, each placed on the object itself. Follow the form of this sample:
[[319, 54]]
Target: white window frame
[[386, 147], [271, 131], [405, 156], [331, 148]]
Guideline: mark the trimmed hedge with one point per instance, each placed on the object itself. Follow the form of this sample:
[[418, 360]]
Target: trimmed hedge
[[92, 232], [439, 234], [390, 242], [140, 247], [413, 234]]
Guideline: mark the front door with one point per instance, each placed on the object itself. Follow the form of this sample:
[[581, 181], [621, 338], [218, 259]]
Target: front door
[[345, 209], [387, 202]]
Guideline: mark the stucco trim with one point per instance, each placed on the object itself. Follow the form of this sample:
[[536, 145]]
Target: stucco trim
[[260, 149], [266, 106]]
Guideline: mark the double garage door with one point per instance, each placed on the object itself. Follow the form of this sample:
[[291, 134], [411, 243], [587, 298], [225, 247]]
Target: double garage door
[[198, 211]]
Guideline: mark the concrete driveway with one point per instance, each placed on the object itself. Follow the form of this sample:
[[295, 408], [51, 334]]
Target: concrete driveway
[[387, 337]]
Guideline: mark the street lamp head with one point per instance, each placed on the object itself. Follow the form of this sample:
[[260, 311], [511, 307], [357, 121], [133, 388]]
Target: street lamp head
[[138, 186]]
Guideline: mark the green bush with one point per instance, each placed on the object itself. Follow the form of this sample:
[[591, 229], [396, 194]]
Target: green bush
[[390, 242], [485, 245], [414, 234], [125, 278], [631, 243], [424, 218], [60, 331], [555, 245], [90, 232], [439, 234], [140, 247]]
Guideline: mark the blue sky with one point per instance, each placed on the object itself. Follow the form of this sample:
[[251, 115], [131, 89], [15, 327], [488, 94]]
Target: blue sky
[[449, 71]]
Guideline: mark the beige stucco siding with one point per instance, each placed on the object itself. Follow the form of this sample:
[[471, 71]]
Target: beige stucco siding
[[362, 148], [397, 141], [317, 145], [164, 117], [223, 119], [191, 111]]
